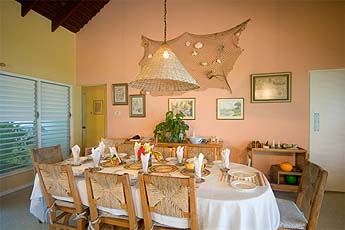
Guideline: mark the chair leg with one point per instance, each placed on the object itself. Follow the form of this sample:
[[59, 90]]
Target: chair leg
[[67, 218], [81, 224]]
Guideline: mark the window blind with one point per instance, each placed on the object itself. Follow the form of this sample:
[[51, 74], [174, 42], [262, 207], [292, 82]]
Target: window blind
[[55, 116], [33, 113], [17, 122]]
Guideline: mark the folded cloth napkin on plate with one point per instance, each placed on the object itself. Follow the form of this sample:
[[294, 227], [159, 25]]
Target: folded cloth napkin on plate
[[145, 162], [136, 148], [101, 147], [96, 156], [198, 165], [114, 153], [259, 178], [179, 153], [75, 153], [226, 157]]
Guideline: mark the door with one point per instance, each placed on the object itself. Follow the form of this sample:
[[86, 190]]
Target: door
[[94, 111], [327, 124]]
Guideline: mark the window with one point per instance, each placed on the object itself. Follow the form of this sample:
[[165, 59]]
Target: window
[[33, 113]]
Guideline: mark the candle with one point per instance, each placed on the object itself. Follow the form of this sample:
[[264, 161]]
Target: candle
[[278, 144], [273, 144]]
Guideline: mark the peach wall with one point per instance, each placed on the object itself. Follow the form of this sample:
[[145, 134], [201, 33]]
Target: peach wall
[[282, 36]]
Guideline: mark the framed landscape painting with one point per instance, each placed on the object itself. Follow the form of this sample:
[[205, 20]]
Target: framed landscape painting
[[120, 94], [186, 105], [137, 108], [271, 87], [230, 108]]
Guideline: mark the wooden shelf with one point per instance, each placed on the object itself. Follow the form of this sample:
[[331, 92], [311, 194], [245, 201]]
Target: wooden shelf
[[268, 160], [284, 187]]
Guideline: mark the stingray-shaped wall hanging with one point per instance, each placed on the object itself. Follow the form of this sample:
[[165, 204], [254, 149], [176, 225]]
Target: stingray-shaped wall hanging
[[208, 58]]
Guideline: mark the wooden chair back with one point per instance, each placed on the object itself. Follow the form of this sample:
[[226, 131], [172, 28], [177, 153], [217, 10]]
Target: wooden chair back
[[209, 153], [311, 191], [125, 148], [166, 151], [110, 191], [58, 181], [170, 196], [46, 155]]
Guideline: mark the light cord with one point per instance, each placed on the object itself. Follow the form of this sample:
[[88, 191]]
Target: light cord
[[165, 21]]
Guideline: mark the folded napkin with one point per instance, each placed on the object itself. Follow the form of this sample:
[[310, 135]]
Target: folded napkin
[[226, 157], [145, 162], [136, 148], [96, 156], [75, 153], [101, 147], [259, 179], [198, 165], [179, 153], [114, 153]]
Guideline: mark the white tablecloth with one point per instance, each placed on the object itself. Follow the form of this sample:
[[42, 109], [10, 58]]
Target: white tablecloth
[[219, 206]]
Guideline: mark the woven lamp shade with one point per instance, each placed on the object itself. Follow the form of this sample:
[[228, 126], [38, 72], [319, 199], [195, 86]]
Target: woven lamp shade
[[164, 73]]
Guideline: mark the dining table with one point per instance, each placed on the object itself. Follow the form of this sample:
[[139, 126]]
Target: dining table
[[220, 203]]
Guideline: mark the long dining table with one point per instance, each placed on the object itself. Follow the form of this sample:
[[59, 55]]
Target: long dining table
[[219, 205]]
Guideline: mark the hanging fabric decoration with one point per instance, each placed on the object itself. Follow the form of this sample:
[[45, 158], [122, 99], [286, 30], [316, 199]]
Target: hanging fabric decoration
[[208, 58]]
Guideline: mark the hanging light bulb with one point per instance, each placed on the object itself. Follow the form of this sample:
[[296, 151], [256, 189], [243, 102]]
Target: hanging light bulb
[[163, 72], [166, 54]]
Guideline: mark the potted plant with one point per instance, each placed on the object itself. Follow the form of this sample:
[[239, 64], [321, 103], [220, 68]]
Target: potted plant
[[173, 129]]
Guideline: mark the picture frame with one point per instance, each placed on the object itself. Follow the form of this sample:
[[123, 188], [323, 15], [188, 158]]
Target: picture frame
[[230, 108], [186, 105], [98, 107], [137, 105], [120, 94], [271, 87]]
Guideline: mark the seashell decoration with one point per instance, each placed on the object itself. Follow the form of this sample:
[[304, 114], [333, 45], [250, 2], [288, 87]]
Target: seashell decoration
[[194, 53], [149, 56], [198, 45], [204, 63], [187, 43], [218, 61]]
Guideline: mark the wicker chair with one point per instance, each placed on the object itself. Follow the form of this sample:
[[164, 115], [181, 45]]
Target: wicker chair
[[169, 196], [61, 195], [209, 153], [46, 155], [125, 148], [110, 191], [309, 199]]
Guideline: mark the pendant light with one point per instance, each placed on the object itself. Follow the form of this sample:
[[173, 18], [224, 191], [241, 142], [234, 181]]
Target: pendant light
[[164, 72]]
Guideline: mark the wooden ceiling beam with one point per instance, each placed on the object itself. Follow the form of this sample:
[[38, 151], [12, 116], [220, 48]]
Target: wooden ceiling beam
[[67, 10], [27, 6]]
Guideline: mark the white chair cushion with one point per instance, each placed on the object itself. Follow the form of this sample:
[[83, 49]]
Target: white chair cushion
[[290, 215]]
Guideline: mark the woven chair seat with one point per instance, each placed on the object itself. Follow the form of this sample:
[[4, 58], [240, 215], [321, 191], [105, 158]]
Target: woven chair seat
[[293, 218], [109, 215]]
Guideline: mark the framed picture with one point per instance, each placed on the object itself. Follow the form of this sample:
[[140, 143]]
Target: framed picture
[[230, 108], [137, 108], [120, 94], [271, 87], [98, 107], [186, 105]]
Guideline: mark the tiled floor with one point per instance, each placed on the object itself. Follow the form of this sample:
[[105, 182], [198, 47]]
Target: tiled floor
[[14, 211]]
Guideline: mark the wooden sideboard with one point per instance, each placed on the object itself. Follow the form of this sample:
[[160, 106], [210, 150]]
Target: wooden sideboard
[[263, 159]]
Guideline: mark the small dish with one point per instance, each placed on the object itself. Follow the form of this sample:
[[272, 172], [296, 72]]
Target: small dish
[[195, 140], [245, 186]]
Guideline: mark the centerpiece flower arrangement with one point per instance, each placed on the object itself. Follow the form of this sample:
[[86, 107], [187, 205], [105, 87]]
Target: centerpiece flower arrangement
[[147, 148]]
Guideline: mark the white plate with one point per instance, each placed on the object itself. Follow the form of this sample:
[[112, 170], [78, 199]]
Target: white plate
[[236, 173], [122, 155], [171, 159], [244, 186]]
